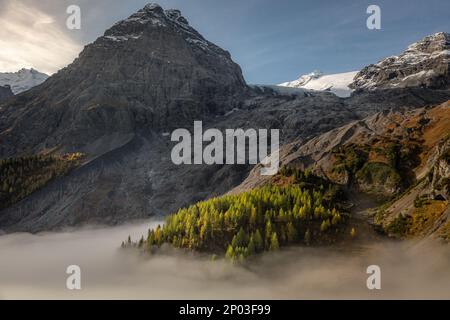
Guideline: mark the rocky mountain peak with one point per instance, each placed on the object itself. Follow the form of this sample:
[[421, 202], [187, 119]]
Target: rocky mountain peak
[[175, 15], [423, 64], [152, 7], [148, 72], [133, 26], [153, 16]]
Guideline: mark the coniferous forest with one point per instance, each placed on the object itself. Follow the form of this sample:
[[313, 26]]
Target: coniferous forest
[[297, 211], [22, 176]]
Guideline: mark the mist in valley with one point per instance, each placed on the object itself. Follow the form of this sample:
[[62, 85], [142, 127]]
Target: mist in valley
[[34, 266]]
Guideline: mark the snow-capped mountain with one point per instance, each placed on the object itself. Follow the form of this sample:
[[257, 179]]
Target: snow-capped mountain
[[22, 80], [423, 64], [335, 83]]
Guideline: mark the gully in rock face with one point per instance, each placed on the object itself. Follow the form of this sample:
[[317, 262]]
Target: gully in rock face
[[214, 152]]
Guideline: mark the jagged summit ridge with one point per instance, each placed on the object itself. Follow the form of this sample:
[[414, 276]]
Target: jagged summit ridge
[[154, 16], [423, 64], [433, 44], [133, 27]]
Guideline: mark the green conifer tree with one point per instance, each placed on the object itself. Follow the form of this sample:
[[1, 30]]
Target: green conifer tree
[[251, 249], [292, 234], [274, 244], [259, 243], [307, 237], [230, 255]]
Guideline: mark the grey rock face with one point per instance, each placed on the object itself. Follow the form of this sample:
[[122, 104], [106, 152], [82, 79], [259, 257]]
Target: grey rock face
[[5, 93], [424, 64]]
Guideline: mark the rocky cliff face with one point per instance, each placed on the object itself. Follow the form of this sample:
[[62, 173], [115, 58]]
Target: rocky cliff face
[[5, 93], [440, 173], [424, 64], [151, 71]]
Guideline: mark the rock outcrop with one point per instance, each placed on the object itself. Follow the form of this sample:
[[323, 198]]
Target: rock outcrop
[[440, 180], [424, 210], [5, 93]]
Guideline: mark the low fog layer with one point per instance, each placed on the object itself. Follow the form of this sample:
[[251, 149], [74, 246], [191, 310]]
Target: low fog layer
[[33, 266]]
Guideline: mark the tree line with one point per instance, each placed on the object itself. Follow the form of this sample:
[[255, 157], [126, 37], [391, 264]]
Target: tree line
[[263, 219]]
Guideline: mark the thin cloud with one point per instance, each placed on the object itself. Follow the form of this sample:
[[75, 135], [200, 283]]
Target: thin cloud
[[25, 30]]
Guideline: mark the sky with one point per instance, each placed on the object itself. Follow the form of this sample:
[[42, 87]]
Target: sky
[[272, 41]]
